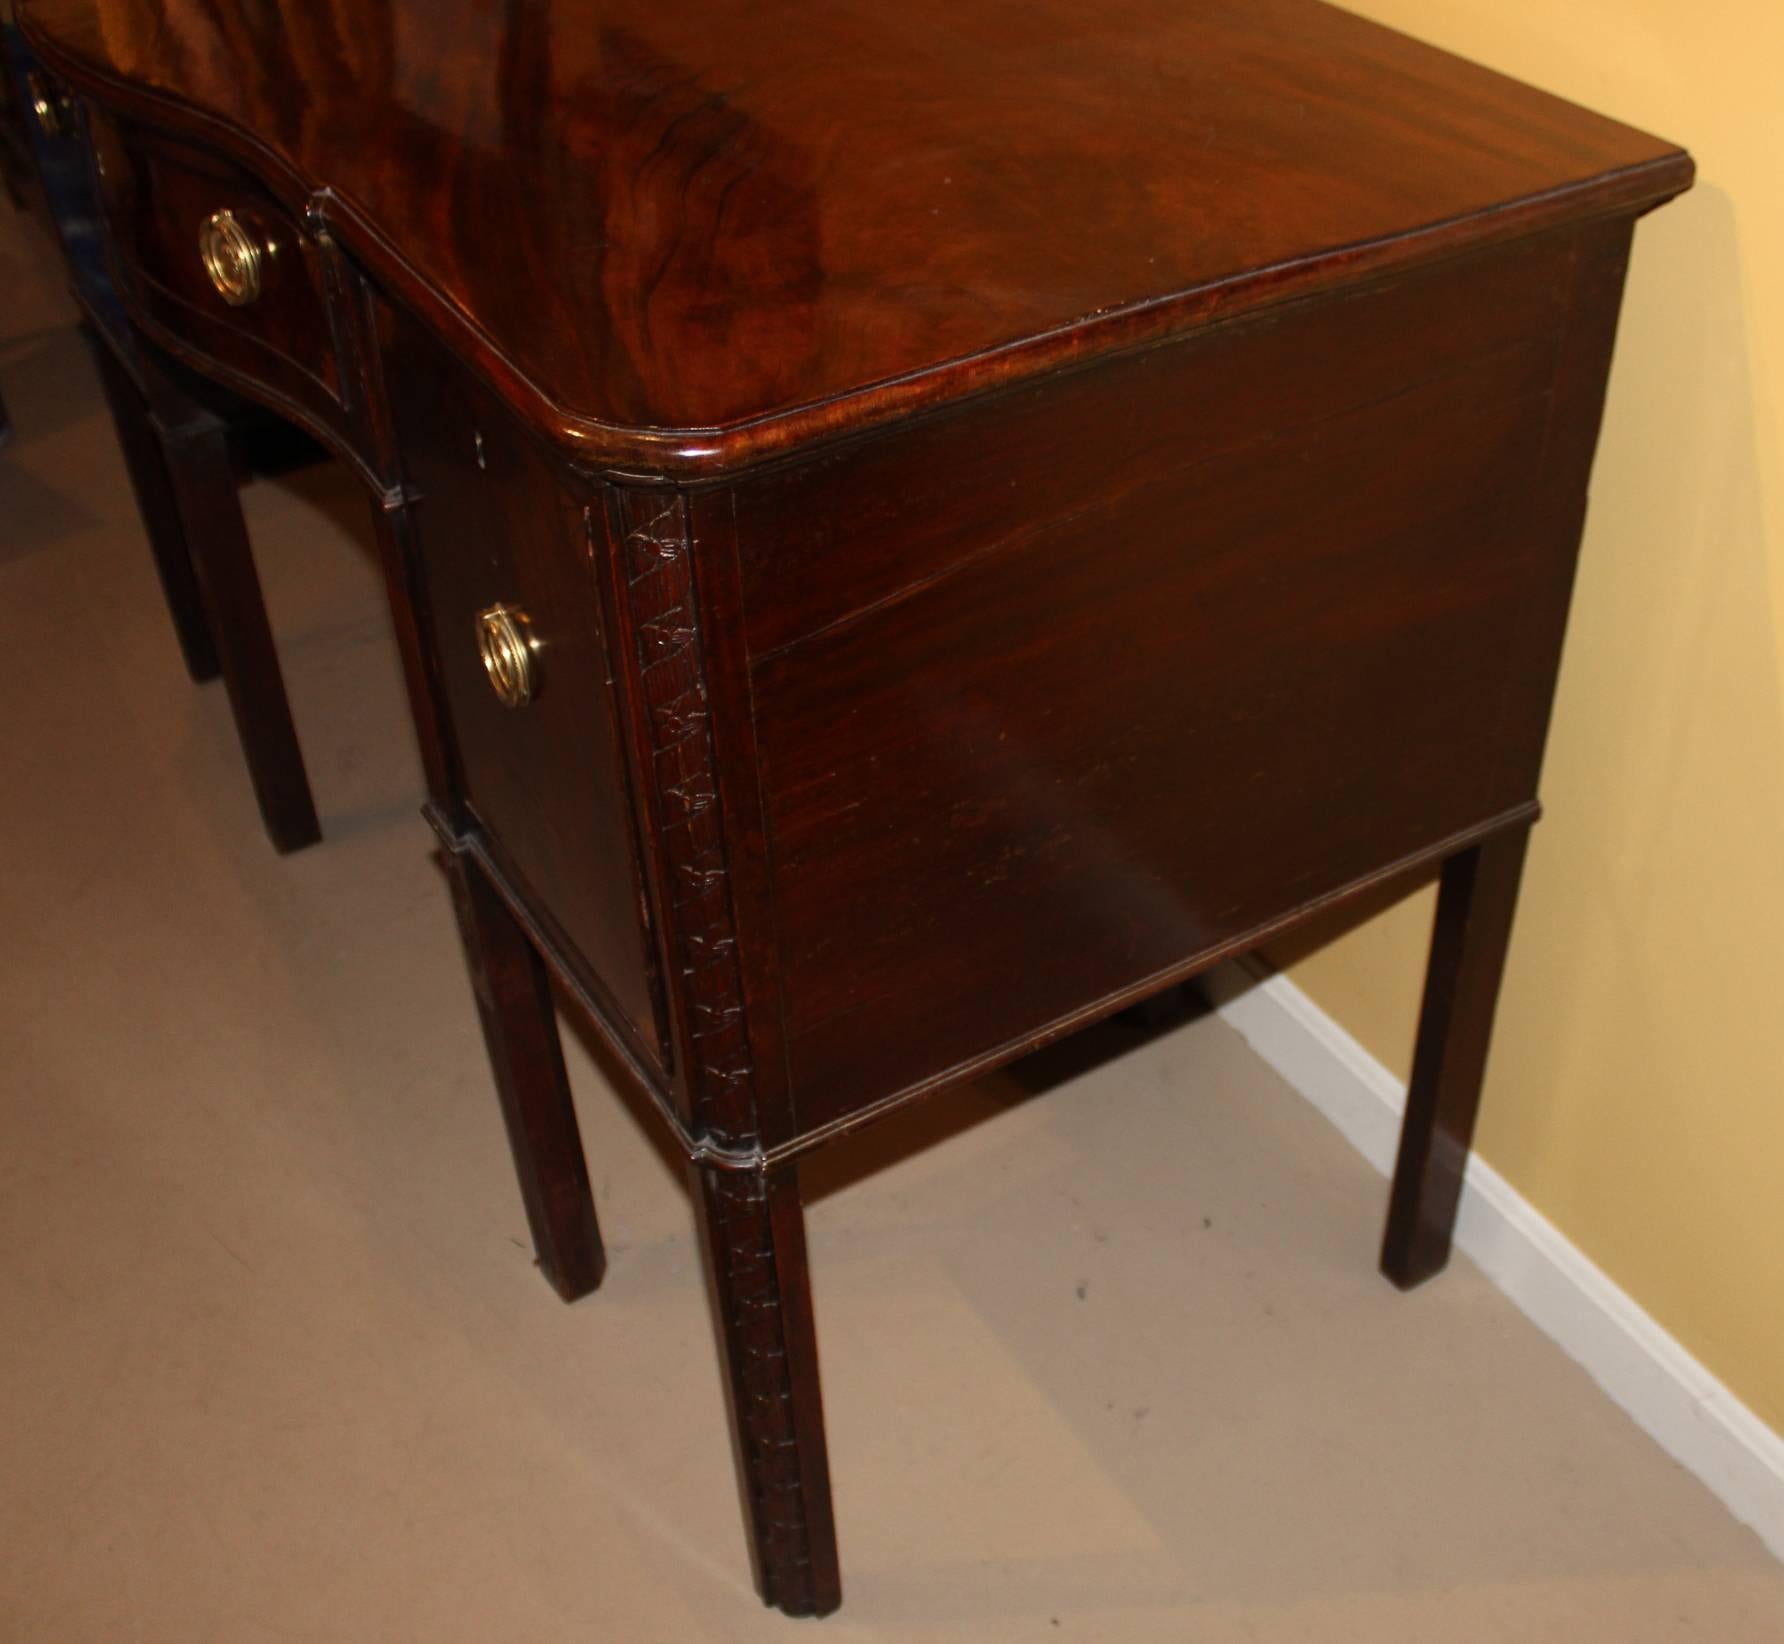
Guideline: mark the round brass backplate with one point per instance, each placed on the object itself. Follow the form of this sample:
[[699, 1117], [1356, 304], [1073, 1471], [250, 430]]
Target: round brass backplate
[[510, 654], [232, 258]]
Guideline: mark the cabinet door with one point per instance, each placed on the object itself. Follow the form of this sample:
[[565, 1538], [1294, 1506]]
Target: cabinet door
[[545, 778]]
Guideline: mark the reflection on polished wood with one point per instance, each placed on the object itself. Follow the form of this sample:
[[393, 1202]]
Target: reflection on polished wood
[[689, 217], [988, 509]]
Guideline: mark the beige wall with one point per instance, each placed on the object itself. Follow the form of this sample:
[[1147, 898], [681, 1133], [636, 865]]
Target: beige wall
[[1636, 1090]]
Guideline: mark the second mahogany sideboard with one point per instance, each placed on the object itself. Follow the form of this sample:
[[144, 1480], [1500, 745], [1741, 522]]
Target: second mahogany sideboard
[[910, 527]]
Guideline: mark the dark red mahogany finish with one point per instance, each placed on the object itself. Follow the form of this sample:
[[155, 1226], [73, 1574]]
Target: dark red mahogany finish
[[1012, 502], [652, 222]]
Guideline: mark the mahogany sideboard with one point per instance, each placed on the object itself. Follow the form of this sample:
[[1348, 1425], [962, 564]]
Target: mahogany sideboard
[[910, 528]]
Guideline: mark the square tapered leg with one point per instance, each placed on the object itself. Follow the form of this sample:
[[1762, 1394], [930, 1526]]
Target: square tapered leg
[[1477, 898], [520, 1030], [145, 460], [211, 515]]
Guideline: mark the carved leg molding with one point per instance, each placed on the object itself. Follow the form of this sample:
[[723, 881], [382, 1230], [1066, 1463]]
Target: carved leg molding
[[753, 1231], [1474, 910]]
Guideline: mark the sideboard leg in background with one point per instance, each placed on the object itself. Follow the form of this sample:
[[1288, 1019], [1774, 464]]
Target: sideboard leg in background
[[520, 1029], [146, 463], [752, 1226], [195, 446], [1478, 895]]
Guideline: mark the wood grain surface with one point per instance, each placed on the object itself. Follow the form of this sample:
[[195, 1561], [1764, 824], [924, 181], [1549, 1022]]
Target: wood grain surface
[[692, 234]]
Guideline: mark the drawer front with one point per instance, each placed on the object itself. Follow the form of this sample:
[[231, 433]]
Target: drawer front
[[173, 213], [545, 780], [1091, 721]]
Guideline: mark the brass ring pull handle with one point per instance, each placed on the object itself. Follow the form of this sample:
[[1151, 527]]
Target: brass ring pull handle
[[510, 654], [232, 257], [46, 105]]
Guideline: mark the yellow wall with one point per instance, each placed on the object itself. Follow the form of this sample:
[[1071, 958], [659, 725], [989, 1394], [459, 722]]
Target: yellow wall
[[1636, 1090]]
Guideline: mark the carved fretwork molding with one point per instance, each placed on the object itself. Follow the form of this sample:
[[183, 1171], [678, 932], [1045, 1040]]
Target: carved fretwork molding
[[658, 573], [755, 1321]]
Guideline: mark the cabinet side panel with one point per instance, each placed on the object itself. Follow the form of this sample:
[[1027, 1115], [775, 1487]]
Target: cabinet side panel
[[863, 523], [1129, 709]]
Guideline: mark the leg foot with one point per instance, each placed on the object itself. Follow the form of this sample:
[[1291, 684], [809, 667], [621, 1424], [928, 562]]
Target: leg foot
[[1474, 912], [753, 1231], [520, 1028]]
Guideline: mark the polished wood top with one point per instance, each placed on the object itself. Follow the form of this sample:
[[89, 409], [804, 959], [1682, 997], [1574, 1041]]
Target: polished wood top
[[694, 233]]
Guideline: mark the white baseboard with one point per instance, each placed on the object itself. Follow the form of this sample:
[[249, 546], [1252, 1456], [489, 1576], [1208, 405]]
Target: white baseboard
[[1697, 1420]]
